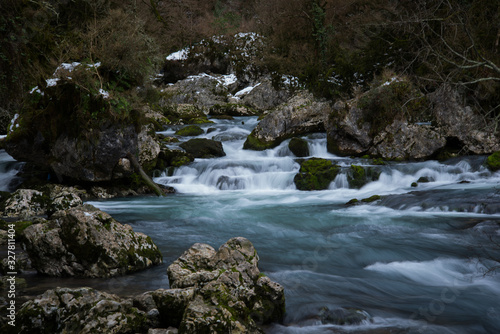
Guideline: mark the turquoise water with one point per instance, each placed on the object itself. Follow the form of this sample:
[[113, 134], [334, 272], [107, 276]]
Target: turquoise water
[[416, 261]]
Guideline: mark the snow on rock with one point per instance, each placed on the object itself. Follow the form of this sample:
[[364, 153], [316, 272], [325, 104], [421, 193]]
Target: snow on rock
[[245, 91], [179, 55]]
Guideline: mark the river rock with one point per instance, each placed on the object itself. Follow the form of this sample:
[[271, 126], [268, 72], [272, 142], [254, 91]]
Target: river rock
[[315, 174], [230, 293], [300, 115], [265, 96], [394, 121], [299, 147], [26, 203], [203, 148], [87, 242], [80, 310], [471, 132]]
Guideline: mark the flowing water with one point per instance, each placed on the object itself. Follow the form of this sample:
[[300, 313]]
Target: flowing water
[[417, 261]]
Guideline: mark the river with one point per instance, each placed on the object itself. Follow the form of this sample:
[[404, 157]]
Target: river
[[417, 261]]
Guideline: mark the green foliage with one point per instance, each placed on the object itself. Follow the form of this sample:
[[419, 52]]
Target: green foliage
[[315, 174]]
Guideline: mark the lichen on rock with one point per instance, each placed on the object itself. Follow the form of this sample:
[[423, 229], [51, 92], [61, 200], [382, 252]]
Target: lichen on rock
[[230, 294], [87, 242]]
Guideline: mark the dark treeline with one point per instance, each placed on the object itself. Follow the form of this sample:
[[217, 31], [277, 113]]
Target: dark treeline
[[335, 47]]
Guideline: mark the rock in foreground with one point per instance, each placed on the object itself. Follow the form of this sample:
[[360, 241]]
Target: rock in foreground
[[230, 293], [87, 242], [81, 310]]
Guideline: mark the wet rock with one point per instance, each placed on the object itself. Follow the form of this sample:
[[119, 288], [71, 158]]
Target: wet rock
[[300, 115], [81, 310], [315, 174], [230, 294], [87, 242], [359, 176], [299, 147], [343, 316], [203, 148]]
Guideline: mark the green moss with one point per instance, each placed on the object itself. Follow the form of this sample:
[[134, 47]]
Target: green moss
[[253, 143], [371, 199], [315, 174], [19, 227], [353, 201], [359, 176], [190, 130], [493, 161]]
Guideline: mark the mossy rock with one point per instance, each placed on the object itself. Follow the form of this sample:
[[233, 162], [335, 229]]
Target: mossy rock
[[19, 227], [256, 144], [371, 199], [190, 131], [299, 147], [203, 148], [493, 161], [316, 174], [359, 176]]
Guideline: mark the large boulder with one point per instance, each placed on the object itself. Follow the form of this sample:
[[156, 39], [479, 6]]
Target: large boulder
[[300, 115], [87, 242], [468, 131], [230, 293], [395, 121], [80, 310], [77, 135]]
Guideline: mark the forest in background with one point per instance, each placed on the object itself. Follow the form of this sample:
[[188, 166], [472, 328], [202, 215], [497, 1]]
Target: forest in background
[[336, 48]]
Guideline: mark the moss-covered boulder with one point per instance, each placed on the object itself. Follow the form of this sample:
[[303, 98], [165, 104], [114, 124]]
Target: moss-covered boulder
[[80, 310], [230, 295], [190, 130], [299, 147], [87, 242], [316, 174], [172, 158], [203, 148], [493, 161], [358, 176]]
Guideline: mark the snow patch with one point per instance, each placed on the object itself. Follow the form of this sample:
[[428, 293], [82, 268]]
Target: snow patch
[[104, 93], [179, 55], [13, 123], [245, 91]]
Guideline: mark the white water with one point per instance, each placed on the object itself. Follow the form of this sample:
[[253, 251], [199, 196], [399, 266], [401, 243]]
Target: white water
[[415, 260]]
